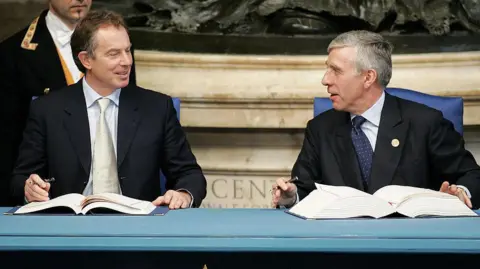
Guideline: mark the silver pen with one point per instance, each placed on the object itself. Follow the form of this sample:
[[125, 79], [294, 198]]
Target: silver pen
[[48, 180]]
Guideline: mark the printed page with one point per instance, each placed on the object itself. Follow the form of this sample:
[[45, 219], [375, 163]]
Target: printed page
[[312, 205], [72, 200], [338, 202], [351, 203], [425, 206], [118, 203], [396, 194], [114, 198], [342, 191], [143, 208]]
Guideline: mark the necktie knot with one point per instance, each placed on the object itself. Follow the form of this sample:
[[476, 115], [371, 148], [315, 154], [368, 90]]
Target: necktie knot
[[103, 103], [358, 121]]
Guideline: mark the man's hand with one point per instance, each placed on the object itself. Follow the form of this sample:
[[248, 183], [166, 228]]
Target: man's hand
[[283, 193], [36, 190], [174, 199], [457, 191]]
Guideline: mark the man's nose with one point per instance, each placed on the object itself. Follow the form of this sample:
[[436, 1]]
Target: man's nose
[[126, 59], [325, 80]]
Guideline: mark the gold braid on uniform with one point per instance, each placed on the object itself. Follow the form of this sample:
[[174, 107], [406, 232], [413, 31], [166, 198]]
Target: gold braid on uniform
[[26, 42]]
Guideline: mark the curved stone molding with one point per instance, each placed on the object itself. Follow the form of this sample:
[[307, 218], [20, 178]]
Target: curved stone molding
[[246, 91]]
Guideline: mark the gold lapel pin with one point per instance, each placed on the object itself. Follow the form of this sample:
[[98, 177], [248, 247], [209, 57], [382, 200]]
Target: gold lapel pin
[[46, 91], [395, 143]]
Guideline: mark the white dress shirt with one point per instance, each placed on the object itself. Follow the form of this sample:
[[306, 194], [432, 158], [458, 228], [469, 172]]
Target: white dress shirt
[[61, 35], [372, 116], [93, 112]]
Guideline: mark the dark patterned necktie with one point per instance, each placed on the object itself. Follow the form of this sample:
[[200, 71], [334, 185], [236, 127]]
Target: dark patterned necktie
[[362, 148]]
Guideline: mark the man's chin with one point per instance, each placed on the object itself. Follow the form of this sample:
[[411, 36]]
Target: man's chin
[[337, 106], [78, 14], [122, 84]]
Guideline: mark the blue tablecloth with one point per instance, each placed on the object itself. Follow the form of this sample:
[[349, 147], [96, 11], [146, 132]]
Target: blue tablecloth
[[237, 230]]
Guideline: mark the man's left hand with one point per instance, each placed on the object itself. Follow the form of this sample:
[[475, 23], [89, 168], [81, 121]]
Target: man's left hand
[[457, 191], [174, 199]]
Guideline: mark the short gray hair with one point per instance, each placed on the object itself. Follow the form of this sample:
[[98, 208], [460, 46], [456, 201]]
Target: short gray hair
[[373, 52]]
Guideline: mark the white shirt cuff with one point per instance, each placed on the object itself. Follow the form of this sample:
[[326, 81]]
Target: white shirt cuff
[[466, 191]]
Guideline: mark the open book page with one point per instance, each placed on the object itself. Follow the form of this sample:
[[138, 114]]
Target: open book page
[[118, 203], [354, 203], [332, 202], [311, 206], [414, 202], [72, 200], [396, 194]]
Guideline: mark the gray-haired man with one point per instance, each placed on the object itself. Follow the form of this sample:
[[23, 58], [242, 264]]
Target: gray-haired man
[[353, 144]]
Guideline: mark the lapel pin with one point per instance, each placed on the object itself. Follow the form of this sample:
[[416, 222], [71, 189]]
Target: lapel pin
[[395, 143]]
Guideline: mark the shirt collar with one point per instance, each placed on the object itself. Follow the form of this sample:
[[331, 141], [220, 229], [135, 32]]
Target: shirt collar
[[374, 113], [91, 96], [60, 31]]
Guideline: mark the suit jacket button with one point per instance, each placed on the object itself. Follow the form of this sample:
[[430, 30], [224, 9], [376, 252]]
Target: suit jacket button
[[46, 91]]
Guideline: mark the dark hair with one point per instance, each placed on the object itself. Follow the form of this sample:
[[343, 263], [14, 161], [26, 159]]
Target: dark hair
[[83, 37]]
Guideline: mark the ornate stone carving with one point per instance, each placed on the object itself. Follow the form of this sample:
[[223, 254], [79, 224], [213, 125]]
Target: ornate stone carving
[[300, 17]]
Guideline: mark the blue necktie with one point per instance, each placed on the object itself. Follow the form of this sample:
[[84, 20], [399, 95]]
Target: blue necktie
[[362, 148]]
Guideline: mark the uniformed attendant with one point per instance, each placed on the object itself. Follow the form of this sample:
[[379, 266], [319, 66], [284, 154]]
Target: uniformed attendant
[[34, 62]]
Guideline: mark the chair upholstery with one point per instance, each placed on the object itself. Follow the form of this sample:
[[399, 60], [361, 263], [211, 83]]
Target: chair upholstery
[[451, 107], [163, 179]]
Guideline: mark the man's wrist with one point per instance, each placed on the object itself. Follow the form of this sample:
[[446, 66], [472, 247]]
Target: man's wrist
[[187, 192], [292, 202]]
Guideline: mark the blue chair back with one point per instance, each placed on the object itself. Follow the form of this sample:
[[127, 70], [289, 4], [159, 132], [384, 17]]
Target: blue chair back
[[451, 107], [163, 179]]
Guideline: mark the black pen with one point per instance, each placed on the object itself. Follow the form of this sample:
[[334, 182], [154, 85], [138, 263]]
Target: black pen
[[290, 181]]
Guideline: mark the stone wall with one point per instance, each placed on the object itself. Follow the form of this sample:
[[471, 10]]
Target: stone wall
[[17, 14], [245, 114]]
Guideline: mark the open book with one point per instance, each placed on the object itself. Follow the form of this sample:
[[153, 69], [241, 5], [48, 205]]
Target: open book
[[106, 202], [335, 202]]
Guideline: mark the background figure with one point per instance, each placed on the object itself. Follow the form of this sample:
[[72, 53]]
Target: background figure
[[34, 62]]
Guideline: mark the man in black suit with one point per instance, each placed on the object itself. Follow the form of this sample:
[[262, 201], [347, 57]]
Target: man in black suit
[[104, 135], [372, 139], [34, 62]]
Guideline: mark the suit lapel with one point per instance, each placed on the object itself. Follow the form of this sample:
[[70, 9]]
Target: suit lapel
[[391, 137], [128, 121], [76, 123], [345, 154], [46, 56]]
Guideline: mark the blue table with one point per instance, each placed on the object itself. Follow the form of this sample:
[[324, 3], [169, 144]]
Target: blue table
[[256, 238]]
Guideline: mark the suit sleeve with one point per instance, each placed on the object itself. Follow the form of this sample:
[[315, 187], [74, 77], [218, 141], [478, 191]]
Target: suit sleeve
[[450, 161], [307, 167], [178, 162], [32, 155], [13, 113]]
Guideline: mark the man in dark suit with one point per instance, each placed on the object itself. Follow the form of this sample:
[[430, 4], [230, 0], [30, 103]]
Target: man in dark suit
[[372, 139], [34, 62], [104, 135]]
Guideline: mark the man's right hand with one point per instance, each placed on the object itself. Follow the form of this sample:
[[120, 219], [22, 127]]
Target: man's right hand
[[283, 193], [36, 190]]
